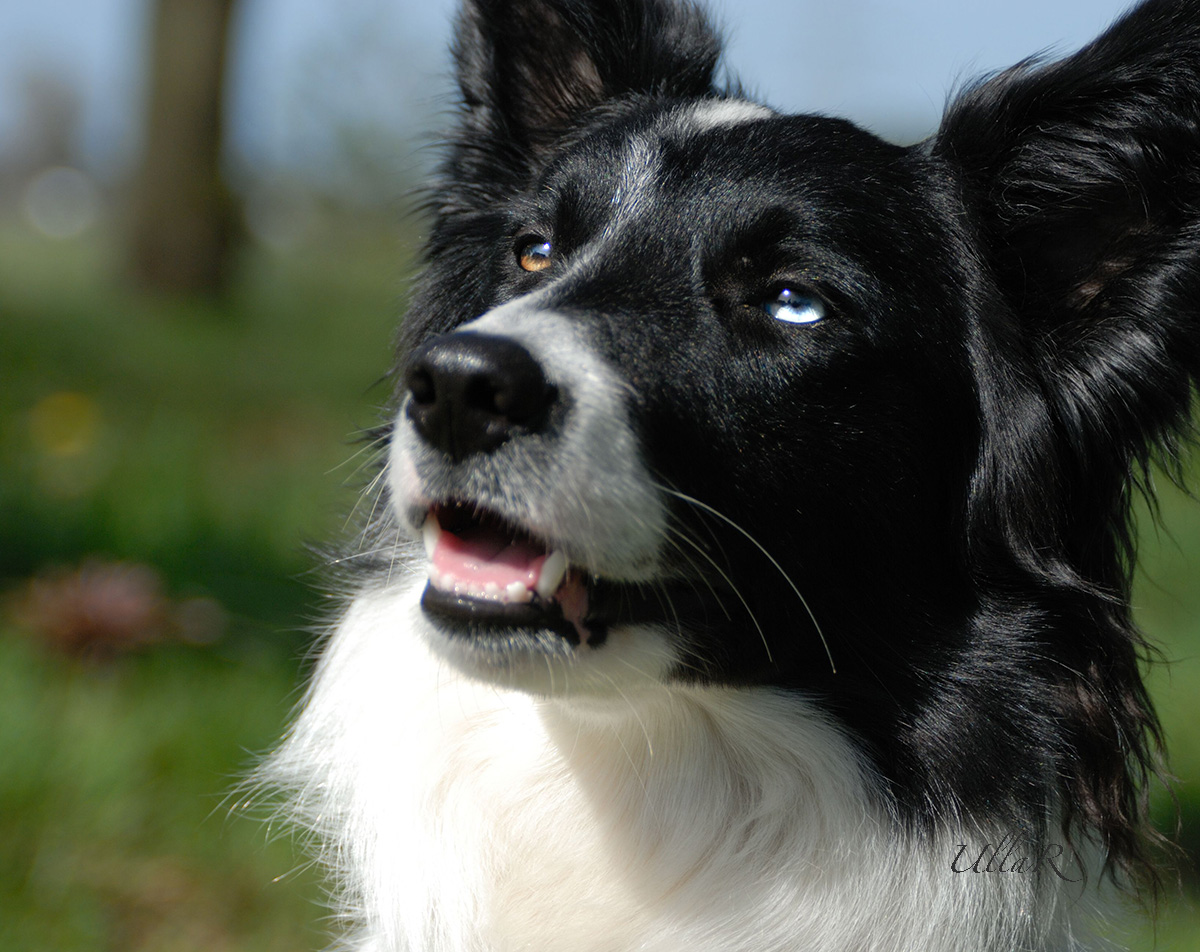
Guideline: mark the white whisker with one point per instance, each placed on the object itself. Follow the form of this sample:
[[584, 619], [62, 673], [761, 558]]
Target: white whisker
[[372, 486], [691, 500], [679, 533], [360, 554], [736, 591], [366, 448]]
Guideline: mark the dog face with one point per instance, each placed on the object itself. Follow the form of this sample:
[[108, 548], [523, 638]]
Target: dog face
[[694, 391], [699, 325]]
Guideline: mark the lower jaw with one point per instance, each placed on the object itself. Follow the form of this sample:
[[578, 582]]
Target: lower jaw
[[493, 627], [635, 638], [500, 641]]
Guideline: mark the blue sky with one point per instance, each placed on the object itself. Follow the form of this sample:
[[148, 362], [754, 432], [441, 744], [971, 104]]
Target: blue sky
[[304, 66]]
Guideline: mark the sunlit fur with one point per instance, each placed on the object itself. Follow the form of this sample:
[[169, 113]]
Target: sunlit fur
[[857, 586], [683, 819]]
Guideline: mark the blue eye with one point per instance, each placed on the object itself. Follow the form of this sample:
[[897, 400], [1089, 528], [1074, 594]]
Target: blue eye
[[795, 307]]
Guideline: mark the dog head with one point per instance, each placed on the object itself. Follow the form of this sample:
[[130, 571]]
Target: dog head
[[693, 390]]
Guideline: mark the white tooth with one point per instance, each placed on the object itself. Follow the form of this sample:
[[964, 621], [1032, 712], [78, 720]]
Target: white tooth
[[491, 590], [430, 533], [551, 575], [516, 592]]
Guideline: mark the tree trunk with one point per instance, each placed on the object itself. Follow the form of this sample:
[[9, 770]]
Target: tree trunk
[[183, 214]]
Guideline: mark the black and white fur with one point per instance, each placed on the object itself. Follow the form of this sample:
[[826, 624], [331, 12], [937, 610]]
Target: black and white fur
[[838, 440]]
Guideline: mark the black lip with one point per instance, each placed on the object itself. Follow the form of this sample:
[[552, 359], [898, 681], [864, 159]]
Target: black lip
[[679, 604], [483, 618]]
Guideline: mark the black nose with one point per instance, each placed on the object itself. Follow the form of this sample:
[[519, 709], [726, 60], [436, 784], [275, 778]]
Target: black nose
[[468, 392]]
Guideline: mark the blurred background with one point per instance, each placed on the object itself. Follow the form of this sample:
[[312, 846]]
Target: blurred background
[[205, 246]]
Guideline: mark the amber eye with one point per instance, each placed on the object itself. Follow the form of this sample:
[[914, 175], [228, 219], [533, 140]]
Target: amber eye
[[534, 253]]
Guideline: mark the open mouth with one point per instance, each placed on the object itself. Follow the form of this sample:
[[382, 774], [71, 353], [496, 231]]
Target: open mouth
[[488, 575]]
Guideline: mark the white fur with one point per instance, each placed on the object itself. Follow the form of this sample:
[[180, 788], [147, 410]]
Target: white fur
[[585, 490], [723, 113], [468, 818]]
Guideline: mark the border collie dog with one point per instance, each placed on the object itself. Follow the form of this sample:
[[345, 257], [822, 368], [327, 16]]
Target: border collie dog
[[774, 488]]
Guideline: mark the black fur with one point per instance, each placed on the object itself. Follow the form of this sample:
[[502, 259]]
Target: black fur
[[945, 464]]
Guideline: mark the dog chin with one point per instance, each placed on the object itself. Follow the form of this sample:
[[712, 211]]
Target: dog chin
[[510, 604], [544, 662]]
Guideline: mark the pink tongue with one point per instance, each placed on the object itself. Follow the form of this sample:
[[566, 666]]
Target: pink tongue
[[480, 556], [484, 558]]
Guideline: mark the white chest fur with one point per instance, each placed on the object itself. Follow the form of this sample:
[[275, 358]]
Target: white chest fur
[[462, 817]]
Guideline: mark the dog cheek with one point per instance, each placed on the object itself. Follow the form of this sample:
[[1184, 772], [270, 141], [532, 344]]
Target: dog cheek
[[402, 478]]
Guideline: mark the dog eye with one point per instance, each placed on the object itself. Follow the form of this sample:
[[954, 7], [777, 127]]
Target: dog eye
[[534, 253], [795, 307]]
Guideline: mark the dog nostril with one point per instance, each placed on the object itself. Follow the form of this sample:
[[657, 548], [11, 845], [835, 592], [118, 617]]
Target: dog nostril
[[420, 385], [485, 393], [518, 394]]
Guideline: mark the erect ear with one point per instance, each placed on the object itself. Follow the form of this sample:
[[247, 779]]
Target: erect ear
[[529, 69], [1082, 178], [1081, 182]]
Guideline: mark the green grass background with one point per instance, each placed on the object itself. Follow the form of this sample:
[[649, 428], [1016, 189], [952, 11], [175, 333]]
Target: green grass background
[[213, 446]]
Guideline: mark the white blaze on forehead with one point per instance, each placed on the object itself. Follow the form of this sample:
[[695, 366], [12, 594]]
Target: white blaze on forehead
[[638, 169], [640, 161], [721, 113]]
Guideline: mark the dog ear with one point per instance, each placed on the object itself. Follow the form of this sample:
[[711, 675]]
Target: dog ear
[[529, 69], [1082, 178]]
